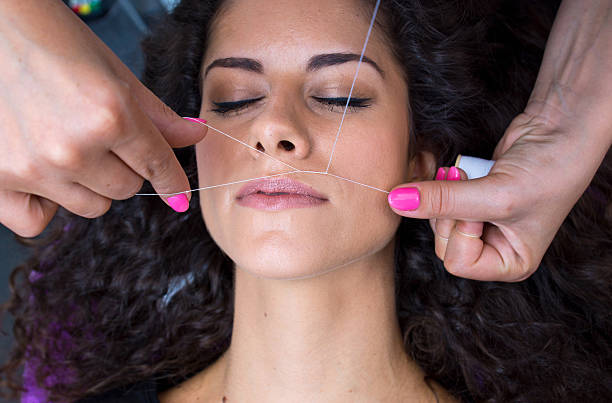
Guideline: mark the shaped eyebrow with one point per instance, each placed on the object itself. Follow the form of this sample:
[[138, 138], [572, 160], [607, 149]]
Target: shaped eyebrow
[[237, 63], [314, 63], [331, 59]]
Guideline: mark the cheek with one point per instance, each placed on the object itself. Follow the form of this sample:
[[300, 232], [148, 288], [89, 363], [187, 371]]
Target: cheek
[[212, 162], [217, 159], [376, 155]]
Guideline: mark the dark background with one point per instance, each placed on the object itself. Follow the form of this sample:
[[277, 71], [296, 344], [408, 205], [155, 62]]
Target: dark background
[[122, 28]]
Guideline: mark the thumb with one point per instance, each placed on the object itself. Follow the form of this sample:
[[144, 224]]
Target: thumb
[[178, 132], [473, 200]]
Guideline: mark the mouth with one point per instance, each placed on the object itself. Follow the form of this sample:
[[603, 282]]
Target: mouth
[[278, 194]]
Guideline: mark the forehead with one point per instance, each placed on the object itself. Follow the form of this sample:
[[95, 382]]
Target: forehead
[[290, 31]]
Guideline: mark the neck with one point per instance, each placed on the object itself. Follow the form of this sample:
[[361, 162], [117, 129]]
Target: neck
[[327, 338]]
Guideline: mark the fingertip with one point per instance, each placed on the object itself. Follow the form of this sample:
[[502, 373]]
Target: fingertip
[[179, 202], [185, 132], [196, 120], [404, 198], [453, 174]]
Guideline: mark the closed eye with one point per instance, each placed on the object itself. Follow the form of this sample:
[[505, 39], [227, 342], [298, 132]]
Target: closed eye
[[336, 104], [234, 106]]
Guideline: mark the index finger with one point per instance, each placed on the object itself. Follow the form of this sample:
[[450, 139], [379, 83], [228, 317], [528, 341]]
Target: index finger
[[145, 150]]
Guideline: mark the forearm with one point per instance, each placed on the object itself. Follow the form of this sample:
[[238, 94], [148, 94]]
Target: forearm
[[46, 24], [574, 86]]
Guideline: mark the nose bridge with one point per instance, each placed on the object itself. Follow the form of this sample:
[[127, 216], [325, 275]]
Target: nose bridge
[[279, 130]]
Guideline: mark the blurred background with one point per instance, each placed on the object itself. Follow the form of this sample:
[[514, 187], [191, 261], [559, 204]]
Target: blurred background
[[121, 24]]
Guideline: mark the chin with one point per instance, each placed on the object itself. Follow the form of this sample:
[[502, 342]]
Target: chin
[[282, 261]]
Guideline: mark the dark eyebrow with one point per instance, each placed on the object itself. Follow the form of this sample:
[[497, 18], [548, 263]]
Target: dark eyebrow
[[315, 63], [332, 59], [237, 63]]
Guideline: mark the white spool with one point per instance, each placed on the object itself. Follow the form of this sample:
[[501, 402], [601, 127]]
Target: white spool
[[474, 167]]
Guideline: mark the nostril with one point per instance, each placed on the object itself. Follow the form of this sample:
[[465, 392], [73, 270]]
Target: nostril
[[260, 147], [286, 145]]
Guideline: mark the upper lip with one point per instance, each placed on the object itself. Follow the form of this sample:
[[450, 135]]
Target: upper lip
[[278, 185]]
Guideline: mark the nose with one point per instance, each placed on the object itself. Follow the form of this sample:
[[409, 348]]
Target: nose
[[280, 133], [286, 145]]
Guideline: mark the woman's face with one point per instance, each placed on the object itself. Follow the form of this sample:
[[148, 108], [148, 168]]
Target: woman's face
[[276, 75]]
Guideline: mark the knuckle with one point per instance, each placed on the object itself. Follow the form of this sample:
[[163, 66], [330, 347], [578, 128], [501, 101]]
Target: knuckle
[[65, 156], [441, 200], [523, 269], [34, 226], [107, 121], [453, 267], [28, 232], [157, 167], [506, 203], [26, 169], [29, 224], [29, 229], [97, 209], [455, 264], [129, 189], [507, 207], [165, 111]]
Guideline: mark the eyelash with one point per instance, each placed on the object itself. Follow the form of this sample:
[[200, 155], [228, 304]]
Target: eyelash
[[331, 103], [235, 106]]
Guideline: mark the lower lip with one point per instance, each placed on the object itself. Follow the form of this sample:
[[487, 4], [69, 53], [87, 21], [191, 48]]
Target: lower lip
[[279, 202]]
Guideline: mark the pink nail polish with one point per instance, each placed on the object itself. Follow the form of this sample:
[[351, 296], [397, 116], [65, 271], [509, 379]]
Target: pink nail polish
[[453, 174], [179, 203], [404, 199], [197, 120], [440, 174]]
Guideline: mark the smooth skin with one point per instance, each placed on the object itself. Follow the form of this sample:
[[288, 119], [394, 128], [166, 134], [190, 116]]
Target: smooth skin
[[77, 129], [314, 290]]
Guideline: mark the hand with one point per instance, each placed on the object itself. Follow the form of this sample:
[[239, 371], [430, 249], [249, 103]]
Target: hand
[[77, 127], [544, 162], [498, 227]]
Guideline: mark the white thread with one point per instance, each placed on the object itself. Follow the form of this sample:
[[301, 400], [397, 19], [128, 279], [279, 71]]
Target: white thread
[[365, 44], [295, 170], [216, 186], [358, 183], [247, 145], [263, 177]]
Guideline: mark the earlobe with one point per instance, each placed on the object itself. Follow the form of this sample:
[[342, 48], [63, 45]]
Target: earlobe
[[422, 167]]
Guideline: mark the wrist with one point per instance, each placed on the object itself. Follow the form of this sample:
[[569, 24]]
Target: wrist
[[573, 91]]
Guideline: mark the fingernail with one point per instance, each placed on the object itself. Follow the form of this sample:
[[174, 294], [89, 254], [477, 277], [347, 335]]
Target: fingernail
[[197, 120], [440, 174], [179, 203], [453, 174], [404, 199]]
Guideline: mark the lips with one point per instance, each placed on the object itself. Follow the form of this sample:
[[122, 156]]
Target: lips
[[278, 186], [277, 194]]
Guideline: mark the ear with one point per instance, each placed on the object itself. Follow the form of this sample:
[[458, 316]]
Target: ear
[[422, 167]]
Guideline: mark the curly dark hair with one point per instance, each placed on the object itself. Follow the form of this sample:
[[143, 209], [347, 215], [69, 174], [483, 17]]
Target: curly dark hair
[[92, 301]]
